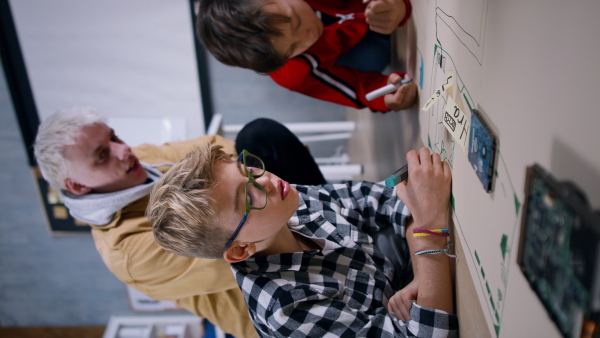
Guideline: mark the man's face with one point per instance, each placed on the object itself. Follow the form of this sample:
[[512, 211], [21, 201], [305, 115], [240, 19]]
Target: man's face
[[301, 32], [100, 162], [261, 225]]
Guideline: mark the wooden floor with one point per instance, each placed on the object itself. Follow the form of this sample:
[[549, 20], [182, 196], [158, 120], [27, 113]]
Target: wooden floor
[[52, 332]]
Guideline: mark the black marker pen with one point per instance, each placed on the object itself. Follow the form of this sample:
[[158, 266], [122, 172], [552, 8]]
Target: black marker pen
[[397, 177]]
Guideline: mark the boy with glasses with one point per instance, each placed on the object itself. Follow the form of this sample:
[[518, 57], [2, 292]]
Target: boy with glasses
[[303, 256]]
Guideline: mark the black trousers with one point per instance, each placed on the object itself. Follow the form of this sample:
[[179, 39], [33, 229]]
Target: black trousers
[[281, 151]]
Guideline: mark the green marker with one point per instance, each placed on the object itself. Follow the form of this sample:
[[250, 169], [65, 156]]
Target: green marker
[[397, 177]]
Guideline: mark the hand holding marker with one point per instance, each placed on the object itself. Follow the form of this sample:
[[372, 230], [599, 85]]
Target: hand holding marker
[[385, 90], [397, 177]]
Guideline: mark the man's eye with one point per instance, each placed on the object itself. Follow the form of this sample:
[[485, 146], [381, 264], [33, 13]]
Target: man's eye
[[103, 155]]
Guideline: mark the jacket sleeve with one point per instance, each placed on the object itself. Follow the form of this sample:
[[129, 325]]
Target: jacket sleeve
[[205, 287], [129, 251], [316, 74], [226, 309]]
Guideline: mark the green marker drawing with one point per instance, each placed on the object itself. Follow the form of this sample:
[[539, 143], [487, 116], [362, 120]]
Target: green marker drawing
[[504, 246]]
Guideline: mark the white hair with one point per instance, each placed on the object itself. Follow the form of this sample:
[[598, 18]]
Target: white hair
[[54, 134]]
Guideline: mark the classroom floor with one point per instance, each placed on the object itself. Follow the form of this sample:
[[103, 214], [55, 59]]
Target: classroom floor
[[381, 141]]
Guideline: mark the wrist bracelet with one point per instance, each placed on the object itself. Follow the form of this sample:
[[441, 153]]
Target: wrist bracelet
[[445, 232], [431, 252]]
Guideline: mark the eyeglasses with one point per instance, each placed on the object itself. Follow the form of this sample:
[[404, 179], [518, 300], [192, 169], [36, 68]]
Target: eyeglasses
[[256, 196]]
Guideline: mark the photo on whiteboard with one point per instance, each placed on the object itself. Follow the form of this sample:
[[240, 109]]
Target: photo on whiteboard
[[482, 150]]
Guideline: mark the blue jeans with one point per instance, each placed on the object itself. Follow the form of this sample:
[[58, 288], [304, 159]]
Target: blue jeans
[[371, 54]]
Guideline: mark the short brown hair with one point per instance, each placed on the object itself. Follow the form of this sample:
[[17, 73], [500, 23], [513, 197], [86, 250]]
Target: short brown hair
[[182, 210], [238, 33]]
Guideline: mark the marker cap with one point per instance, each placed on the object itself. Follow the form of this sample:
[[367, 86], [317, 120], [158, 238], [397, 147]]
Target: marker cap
[[391, 181]]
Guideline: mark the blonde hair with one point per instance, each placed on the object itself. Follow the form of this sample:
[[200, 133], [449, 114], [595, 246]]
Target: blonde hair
[[56, 132], [182, 210]]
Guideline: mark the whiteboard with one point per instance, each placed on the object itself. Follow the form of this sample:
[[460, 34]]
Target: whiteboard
[[530, 68]]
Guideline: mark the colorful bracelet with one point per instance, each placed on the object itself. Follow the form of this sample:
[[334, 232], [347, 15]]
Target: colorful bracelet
[[431, 252], [445, 232]]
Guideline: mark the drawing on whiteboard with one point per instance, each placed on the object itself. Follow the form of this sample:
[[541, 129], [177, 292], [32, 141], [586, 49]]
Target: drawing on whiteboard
[[437, 137], [491, 266], [482, 150], [457, 123], [468, 29]]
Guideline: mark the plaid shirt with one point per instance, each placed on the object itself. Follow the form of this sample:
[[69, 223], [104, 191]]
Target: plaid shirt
[[343, 289]]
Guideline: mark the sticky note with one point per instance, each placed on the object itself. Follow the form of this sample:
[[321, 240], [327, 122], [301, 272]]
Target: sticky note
[[440, 91], [459, 102], [457, 123], [450, 75]]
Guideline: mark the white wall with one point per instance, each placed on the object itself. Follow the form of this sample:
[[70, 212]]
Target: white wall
[[132, 58]]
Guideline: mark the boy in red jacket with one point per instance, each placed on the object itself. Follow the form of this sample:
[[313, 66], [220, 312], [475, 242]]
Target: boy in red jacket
[[288, 41]]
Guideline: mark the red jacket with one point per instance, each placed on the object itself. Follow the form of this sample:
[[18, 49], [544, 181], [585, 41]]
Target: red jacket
[[315, 73]]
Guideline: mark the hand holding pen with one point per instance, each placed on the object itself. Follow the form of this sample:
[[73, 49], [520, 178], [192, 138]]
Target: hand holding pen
[[397, 177], [427, 189], [399, 94], [386, 89]]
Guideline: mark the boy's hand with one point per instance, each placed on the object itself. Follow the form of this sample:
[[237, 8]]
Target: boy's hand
[[383, 16], [404, 97], [400, 303], [426, 192]]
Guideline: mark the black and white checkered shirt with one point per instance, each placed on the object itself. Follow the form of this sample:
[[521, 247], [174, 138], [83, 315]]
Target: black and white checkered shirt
[[343, 289]]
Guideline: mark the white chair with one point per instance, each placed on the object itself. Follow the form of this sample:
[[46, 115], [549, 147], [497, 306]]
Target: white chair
[[334, 168]]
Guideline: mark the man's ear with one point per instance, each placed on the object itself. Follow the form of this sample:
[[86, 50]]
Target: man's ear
[[238, 252], [76, 188]]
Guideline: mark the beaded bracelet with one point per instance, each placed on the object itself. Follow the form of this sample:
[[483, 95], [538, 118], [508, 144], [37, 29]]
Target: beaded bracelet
[[435, 232], [431, 252]]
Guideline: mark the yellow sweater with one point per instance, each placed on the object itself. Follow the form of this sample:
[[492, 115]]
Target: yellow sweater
[[205, 287]]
